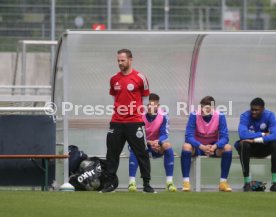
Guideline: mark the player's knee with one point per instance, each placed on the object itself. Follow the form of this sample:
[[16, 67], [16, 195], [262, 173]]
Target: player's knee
[[227, 147], [273, 147], [244, 145], [131, 153], [166, 145], [187, 147]]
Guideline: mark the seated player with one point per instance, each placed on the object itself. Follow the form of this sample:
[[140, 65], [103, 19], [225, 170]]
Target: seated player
[[257, 131], [156, 125], [206, 134]]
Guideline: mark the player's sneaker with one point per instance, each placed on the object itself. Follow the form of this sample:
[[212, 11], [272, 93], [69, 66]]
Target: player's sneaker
[[273, 187], [186, 186], [247, 187], [224, 186], [170, 187], [148, 189], [108, 188], [132, 187]]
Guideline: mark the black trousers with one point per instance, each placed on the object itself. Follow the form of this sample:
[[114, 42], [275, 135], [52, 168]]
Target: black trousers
[[259, 150], [134, 134]]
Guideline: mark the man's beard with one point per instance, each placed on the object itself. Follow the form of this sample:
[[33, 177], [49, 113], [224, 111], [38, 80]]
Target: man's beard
[[124, 68]]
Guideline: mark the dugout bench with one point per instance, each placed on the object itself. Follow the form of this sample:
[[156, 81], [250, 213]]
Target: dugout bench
[[44, 166], [196, 169], [27, 145]]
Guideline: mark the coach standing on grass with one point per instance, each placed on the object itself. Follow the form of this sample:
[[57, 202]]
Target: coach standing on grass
[[257, 131], [128, 88]]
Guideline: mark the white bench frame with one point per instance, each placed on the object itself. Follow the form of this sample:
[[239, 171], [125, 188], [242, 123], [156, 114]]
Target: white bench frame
[[196, 169]]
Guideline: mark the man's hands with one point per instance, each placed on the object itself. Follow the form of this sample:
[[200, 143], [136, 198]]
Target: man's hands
[[252, 140], [154, 145], [213, 149], [208, 149]]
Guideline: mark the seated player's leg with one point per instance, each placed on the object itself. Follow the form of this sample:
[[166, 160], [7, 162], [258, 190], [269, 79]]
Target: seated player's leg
[[259, 151], [264, 151], [226, 160], [186, 158], [133, 166], [166, 148], [270, 149], [273, 165], [244, 150]]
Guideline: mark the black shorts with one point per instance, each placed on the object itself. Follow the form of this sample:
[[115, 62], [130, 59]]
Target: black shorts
[[259, 150]]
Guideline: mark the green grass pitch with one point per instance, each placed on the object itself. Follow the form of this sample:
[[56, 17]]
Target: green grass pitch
[[76, 204]]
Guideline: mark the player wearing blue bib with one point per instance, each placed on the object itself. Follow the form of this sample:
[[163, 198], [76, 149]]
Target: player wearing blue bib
[[257, 132]]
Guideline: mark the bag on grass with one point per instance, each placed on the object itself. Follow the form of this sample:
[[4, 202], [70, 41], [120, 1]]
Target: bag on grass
[[88, 176], [258, 186], [91, 175]]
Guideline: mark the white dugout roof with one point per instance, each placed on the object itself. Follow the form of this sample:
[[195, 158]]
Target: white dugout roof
[[182, 67]]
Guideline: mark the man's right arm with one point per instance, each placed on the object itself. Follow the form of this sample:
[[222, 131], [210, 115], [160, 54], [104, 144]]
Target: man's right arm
[[244, 132], [111, 90], [271, 136], [190, 131]]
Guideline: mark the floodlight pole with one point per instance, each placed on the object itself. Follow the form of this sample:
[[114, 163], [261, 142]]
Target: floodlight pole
[[244, 17], [53, 32], [109, 14], [222, 14], [149, 14], [166, 9]]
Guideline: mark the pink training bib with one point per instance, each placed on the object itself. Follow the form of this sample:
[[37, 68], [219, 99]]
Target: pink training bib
[[207, 133], [153, 128]]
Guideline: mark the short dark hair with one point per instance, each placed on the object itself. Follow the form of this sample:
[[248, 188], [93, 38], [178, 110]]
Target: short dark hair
[[257, 102], [207, 100], [154, 97], [126, 51]]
